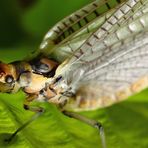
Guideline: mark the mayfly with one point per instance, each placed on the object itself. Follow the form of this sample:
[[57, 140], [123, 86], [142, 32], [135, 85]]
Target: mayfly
[[93, 58]]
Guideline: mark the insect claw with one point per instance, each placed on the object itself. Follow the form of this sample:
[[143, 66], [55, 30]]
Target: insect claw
[[98, 125]]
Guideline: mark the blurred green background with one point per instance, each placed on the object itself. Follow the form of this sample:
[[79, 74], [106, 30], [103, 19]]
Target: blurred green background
[[23, 23]]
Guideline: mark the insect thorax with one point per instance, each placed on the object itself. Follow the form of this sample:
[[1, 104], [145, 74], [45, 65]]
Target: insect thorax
[[36, 78]]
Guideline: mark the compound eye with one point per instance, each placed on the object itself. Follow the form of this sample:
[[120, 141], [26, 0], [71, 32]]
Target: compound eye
[[9, 79]]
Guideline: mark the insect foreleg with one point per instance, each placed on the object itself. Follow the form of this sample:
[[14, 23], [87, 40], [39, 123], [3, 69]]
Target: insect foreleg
[[38, 111], [27, 105], [90, 122]]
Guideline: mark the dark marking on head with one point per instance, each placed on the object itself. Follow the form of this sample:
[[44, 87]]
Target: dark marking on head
[[39, 66], [9, 79]]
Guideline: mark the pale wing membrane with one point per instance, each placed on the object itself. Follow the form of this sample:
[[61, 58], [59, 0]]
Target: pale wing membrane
[[125, 14], [71, 32], [124, 73], [135, 11], [101, 47], [122, 54], [114, 67]]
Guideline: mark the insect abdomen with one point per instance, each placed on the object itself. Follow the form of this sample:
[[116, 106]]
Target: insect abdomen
[[91, 97]]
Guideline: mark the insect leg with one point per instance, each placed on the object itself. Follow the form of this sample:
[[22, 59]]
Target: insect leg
[[90, 122], [27, 105], [38, 111]]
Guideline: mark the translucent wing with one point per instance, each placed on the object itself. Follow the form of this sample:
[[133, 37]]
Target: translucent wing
[[61, 42], [124, 21], [109, 69], [70, 33], [121, 71]]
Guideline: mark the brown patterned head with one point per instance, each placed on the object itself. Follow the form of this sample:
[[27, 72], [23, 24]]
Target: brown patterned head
[[7, 77]]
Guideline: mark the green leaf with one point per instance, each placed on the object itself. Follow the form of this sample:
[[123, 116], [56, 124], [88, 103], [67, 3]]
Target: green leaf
[[44, 14], [124, 123]]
